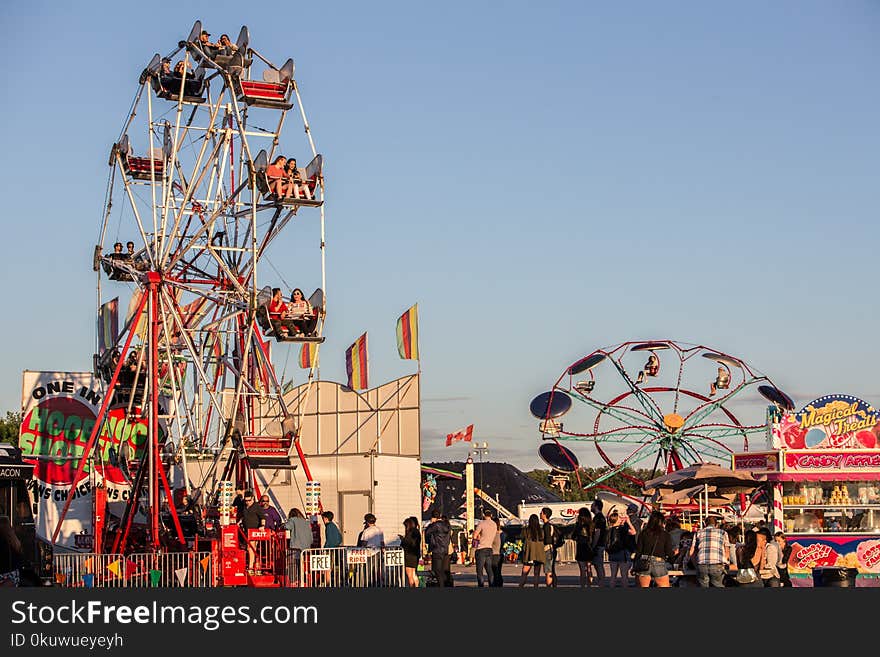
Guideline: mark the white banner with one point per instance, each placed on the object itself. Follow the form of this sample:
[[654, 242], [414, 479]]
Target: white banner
[[59, 411]]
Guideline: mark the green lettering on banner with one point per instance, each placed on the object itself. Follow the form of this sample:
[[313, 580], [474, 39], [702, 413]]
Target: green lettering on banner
[[139, 435], [55, 423], [37, 419], [72, 428]]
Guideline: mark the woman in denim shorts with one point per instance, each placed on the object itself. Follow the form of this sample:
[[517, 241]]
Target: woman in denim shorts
[[655, 545]]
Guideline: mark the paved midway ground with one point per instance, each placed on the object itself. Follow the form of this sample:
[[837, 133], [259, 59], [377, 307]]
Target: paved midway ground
[[568, 575]]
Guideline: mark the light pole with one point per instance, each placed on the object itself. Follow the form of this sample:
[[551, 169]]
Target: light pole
[[481, 449]]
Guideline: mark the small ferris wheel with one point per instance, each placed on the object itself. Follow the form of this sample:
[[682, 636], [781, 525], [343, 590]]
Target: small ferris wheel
[[659, 405]]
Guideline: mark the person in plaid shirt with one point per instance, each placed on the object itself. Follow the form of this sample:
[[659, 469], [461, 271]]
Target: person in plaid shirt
[[710, 551]]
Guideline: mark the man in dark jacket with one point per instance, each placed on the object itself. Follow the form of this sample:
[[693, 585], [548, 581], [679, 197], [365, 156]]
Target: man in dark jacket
[[437, 536]]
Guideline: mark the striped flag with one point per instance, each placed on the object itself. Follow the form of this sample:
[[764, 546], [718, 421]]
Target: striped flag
[[465, 434], [141, 328], [356, 364], [408, 334], [108, 325], [307, 353]]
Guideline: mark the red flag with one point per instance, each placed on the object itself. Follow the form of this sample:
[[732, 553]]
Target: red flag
[[465, 435]]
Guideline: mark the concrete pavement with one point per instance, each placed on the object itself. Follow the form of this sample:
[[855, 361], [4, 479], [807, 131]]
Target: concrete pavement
[[568, 575]]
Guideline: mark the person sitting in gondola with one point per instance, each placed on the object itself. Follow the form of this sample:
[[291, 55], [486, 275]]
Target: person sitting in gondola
[[225, 46], [652, 367], [295, 185], [165, 76], [110, 268], [301, 313], [277, 310], [210, 49], [722, 382], [277, 176], [179, 69]]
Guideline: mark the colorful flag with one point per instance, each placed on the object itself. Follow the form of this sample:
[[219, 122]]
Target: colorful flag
[[180, 573], [143, 323], [307, 353], [466, 435], [356, 364], [108, 325], [408, 334]]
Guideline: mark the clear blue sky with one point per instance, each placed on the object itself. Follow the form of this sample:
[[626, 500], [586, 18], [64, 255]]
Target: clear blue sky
[[617, 171]]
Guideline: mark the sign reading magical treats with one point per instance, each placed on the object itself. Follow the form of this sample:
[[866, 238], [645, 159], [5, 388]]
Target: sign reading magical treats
[[831, 422]]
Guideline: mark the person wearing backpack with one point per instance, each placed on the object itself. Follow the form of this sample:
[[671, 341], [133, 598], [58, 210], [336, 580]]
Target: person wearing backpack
[[600, 538], [438, 536], [621, 543], [582, 534], [552, 536]]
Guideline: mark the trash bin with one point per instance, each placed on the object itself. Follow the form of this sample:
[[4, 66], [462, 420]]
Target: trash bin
[[835, 577]]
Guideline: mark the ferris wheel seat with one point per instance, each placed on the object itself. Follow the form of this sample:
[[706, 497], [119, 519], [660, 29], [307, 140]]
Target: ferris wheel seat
[[268, 451], [143, 168], [318, 339], [271, 95], [169, 89], [290, 201]]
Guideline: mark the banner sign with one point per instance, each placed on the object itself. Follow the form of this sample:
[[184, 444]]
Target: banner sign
[[828, 461], [808, 552], [756, 461], [830, 422], [59, 410]]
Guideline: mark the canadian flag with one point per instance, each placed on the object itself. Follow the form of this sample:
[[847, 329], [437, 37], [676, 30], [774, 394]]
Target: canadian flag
[[466, 435]]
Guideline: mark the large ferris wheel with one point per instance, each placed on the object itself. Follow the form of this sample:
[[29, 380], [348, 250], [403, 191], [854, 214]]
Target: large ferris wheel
[[194, 185]]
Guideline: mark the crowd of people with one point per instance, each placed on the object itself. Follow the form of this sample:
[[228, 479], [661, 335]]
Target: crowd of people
[[620, 550], [610, 550]]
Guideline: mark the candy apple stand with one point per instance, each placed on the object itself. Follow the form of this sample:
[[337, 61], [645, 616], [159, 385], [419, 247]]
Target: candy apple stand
[[822, 467]]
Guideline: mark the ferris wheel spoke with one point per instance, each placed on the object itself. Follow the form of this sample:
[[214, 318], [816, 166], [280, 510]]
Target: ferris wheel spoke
[[177, 393], [638, 455], [647, 403], [189, 345], [629, 434], [617, 412], [710, 406], [701, 447]]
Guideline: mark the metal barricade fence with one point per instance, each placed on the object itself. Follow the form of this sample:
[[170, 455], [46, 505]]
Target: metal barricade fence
[[566, 553], [166, 569], [292, 566], [352, 567], [269, 551]]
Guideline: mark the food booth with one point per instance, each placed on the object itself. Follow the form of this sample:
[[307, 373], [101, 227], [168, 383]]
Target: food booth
[[822, 465]]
